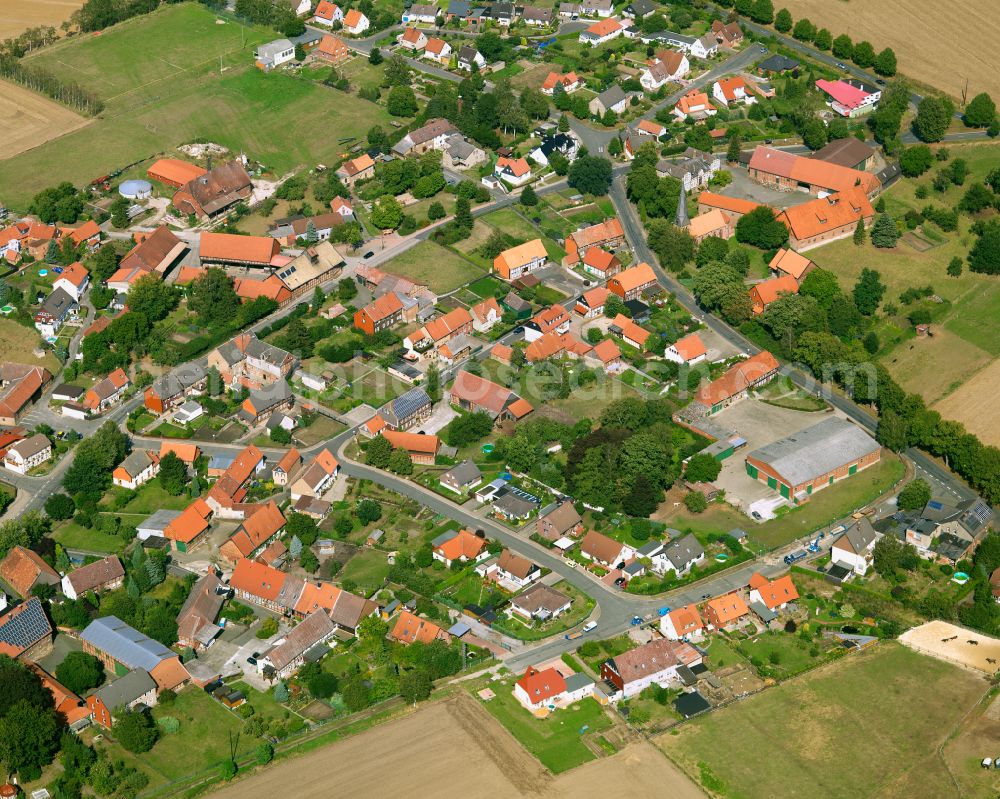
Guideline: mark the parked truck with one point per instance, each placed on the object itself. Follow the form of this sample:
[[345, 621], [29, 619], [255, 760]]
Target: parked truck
[[798, 554]]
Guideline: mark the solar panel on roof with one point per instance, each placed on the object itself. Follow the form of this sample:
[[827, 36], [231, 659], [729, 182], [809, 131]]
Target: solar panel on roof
[[26, 624], [409, 403]]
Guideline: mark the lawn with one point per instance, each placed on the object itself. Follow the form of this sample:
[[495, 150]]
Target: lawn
[[782, 654], [826, 506], [368, 569], [154, 104], [200, 745], [431, 264], [320, 430], [555, 741], [72, 536], [832, 503], [18, 343], [857, 732], [152, 497]]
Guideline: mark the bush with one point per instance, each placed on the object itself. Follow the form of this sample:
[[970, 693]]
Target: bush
[[268, 628], [169, 724]]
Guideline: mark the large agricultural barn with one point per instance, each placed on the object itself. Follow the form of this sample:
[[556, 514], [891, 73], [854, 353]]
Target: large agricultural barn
[[813, 458]]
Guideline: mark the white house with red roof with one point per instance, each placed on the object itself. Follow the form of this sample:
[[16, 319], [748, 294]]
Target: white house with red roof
[[355, 22], [412, 39], [570, 82], [682, 622], [485, 314], [689, 350], [438, 50], [848, 98], [733, 91], [515, 171], [343, 207], [327, 13], [773, 594], [73, 280]]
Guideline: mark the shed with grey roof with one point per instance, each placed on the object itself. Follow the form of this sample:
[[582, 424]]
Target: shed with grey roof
[[127, 691], [813, 458], [123, 643]]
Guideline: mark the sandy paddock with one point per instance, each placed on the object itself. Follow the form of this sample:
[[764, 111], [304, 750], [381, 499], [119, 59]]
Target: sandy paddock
[[949, 642], [452, 749]]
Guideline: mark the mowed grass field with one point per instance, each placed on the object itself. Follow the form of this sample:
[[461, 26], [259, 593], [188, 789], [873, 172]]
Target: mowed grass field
[[914, 28], [966, 330], [18, 344], [434, 266], [868, 725], [160, 77]]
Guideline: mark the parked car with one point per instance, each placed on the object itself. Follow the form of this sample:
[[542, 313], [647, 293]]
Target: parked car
[[368, 254], [590, 625], [636, 621]]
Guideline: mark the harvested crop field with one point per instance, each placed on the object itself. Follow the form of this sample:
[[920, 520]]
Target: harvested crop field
[[867, 725], [454, 748], [945, 358], [28, 119], [945, 641], [913, 29], [16, 16], [974, 404]]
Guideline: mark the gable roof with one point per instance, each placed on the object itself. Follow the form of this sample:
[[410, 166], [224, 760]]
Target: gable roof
[[126, 689], [353, 18], [192, 522], [604, 27], [599, 259], [737, 378], [264, 523], [481, 392], [728, 607], [600, 547], [598, 233], [722, 202], [201, 607], [774, 593], [316, 627], [686, 619], [412, 442], [410, 628], [790, 262], [257, 580], [708, 222], [639, 275], [540, 597], [810, 170], [96, 574], [22, 627], [824, 214], [463, 544], [652, 658], [231, 247], [631, 330], [23, 568], [690, 347], [542, 685], [125, 644], [847, 152], [771, 290]]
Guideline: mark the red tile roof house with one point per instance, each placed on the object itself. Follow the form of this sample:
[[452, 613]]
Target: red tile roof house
[[422, 449], [88, 235], [737, 381], [23, 569], [726, 611], [107, 392], [232, 250], [28, 453], [570, 82], [630, 284], [631, 333], [187, 530], [605, 551], [412, 39], [521, 260], [690, 350], [106, 574], [609, 355], [247, 361], [461, 546], [537, 690], [254, 534], [607, 234], [768, 291], [226, 496], [437, 332], [773, 594], [473, 393], [653, 663], [73, 280], [553, 319], [380, 314], [485, 314], [591, 302], [286, 467], [683, 623], [410, 628]]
